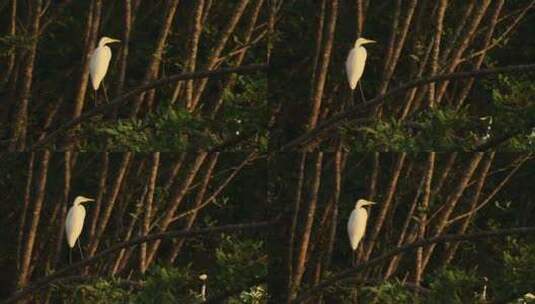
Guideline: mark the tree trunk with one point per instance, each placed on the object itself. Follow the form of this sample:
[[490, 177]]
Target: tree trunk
[[24, 274]]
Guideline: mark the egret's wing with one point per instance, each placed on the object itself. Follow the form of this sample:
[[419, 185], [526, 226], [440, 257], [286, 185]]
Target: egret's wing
[[356, 226], [74, 224], [355, 63], [98, 65]]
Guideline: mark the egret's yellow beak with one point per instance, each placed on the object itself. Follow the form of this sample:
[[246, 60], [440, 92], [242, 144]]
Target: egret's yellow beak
[[370, 41]]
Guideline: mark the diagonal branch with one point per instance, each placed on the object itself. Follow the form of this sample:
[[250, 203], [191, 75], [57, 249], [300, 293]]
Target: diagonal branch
[[123, 99], [331, 123], [42, 283], [343, 275]]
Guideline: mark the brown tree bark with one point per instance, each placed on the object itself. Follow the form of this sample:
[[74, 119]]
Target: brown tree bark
[[479, 60], [91, 32], [452, 248], [175, 202], [195, 35], [216, 51], [450, 204], [229, 83], [24, 274], [125, 46], [20, 119], [23, 214], [307, 227], [324, 62], [156, 58], [436, 48], [393, 58], [148, 214], [103, 178], [384, 206], [199, 198], [67, 177], [105, 216], [12, 31], [461, 48], [295, 215], [403, 238], [424, 210]]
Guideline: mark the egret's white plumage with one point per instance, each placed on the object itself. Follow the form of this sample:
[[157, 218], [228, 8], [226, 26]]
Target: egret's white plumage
[[99, 61], [75, 220], [356, 60], [356, 226]]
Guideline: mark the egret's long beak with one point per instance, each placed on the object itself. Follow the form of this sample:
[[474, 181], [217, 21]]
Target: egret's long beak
[[371, 203], [89, 200], [370, 41], [114, 40]]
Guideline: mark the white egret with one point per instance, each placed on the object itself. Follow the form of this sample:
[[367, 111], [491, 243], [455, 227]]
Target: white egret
[[356, 60], [75, 222], [203, 277], [99, 62], [356, 226]]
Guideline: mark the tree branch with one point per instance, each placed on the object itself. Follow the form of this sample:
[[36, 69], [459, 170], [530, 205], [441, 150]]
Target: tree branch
[[337, 119], [403, 249], [40, 284], [123, 99]]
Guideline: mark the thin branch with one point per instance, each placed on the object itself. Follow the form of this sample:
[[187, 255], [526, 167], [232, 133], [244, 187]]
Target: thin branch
[[497, 41], [403, 249], [492, 194]]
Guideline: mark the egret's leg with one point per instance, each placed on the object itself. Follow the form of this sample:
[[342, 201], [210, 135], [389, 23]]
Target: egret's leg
[[361, 91], [70, 255], [351, 98], [105, 93], [80, 247]]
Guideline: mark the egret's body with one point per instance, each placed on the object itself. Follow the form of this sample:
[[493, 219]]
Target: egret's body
[[99, 61], [356, 61], [74, 222], [356, 226]]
